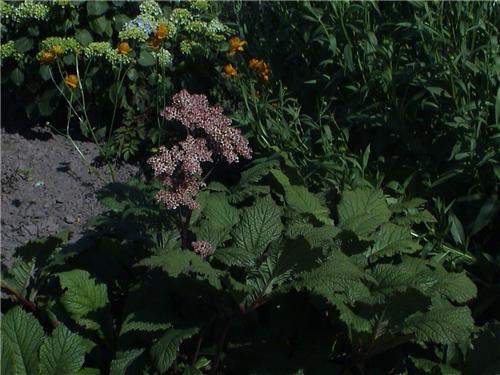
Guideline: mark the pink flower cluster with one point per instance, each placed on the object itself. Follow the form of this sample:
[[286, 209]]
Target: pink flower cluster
[[179, 168], [194, 112], [203, 248]]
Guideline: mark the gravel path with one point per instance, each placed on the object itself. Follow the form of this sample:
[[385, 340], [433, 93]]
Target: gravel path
[[46, 186]]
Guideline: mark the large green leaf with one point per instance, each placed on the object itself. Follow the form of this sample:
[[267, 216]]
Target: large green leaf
[[83, 295], [96, 8], [362, 211], [255, 173], [62, 353], [338, 276], [18, 277], [259, 226], [177, 262], [22, 336], [443, 324], [392, 239], [219, 212], [7, 362], [425, 276], [322, 237], [234, 256], [123, 360], [303, 201], [165, 350]]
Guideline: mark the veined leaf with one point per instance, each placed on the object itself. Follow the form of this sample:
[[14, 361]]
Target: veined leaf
[[392, 239], [321, 237], [165, 350], [22, 336], [338, 276], [348, 316], [7, 361], [123, 360], [259, 226], [61, 353], [303, 201], [177, 262], [82, 296], [19, 276], [133, 325], [215, 235], [255, 173], [430, 279], [219, 212], [234, 256], [362, 211], [443, 324]]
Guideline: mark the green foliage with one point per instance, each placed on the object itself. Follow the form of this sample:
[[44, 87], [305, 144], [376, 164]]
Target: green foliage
[[121, 92], [82, 296], [322, 257], [164, 352], [281, 274], [26, 350], [61, 353], [22, 337]]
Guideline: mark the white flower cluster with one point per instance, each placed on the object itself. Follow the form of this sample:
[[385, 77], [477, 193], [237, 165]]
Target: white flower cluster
[[164, 57], [24, 11], [104, 50]]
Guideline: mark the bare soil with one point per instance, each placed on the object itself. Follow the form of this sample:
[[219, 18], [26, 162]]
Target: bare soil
[[47, 187]]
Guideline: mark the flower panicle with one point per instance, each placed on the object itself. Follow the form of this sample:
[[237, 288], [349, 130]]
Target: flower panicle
[[180, 167]]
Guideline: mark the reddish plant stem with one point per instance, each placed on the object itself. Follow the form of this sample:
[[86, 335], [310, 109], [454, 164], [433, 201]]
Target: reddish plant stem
[[23, 301]]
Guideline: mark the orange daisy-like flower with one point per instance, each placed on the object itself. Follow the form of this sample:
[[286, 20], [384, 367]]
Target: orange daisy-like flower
[[47, 57], [236, 44], [155, 42], [261, 68], [57, 50], [161, 31], [160, 34], [123, 48], [230, 71], [71, 81]]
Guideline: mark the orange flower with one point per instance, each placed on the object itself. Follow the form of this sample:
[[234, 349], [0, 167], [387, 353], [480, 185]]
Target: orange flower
[[71, 81], [47, 57], [57, 50], [123, 48], [236, 44], [261, 68], [161, 31], [160, 34], [230, 71], [155, 42]]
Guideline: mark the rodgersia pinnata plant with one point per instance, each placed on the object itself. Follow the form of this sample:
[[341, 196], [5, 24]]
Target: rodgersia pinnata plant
[[209, 136]]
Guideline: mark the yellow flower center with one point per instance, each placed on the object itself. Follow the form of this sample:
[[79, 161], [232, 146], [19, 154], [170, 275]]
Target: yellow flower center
[[57, 50]]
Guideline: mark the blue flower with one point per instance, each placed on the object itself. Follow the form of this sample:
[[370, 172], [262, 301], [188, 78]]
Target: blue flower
[[142, 24]]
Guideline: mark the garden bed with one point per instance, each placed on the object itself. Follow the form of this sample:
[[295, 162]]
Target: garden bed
[[46, 186]]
